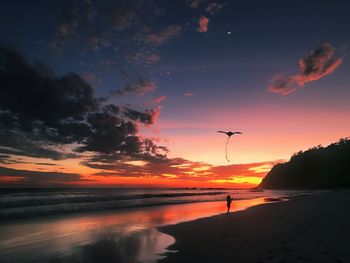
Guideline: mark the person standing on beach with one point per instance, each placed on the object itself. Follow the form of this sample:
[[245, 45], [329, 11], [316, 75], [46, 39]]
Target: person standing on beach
[[229, 201]]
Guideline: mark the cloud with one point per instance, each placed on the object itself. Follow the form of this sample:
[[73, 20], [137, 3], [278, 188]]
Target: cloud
[[27, 178], [8, 159], [159, 38], [147, 41], [213, 8], [26, 91], [159, 99], [76, 19], [159, 166], [258, 169], [123, 17], [46, 116], [194, 3], [283, 84], [20, 143], [203, 24], [130, 30], [140, 87], [47, 164], [321, 62], [146, 117], [92, 79], [188, 94], [181, 170], [142, 55]]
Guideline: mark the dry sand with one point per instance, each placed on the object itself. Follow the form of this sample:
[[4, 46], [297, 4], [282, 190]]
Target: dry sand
[[305, 229]]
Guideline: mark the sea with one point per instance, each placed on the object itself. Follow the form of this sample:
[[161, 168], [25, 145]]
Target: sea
[[109, 225], [24, 203]]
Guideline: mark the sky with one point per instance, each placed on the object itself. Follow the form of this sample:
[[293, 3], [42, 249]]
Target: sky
[[132, 93]]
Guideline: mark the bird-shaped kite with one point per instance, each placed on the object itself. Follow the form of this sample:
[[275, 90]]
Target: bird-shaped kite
[[229, 134]]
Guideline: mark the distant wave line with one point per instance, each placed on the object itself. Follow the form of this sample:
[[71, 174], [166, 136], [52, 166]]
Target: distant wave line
[[56, 200]]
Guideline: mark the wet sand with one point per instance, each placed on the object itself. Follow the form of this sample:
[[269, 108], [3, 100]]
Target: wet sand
[[123, 236], [305, 229]]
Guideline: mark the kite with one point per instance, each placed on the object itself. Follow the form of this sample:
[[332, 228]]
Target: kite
[[229, 134]]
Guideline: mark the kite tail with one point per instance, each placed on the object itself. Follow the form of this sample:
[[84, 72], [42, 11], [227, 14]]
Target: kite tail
[[226, 148]]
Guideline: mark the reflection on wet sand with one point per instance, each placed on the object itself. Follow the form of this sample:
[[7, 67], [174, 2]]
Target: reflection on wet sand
[[143, 246], [128, 235]]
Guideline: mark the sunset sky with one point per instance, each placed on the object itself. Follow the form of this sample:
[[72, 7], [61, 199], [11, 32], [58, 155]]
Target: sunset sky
[[132, 93]]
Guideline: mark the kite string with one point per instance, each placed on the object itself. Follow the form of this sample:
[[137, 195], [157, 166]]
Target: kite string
[[226, 148]]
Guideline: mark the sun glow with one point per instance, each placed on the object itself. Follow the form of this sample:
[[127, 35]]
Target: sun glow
[[239, 180], [261, 169]]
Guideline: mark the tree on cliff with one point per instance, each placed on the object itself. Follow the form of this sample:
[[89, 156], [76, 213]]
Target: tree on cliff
[[317, 168]]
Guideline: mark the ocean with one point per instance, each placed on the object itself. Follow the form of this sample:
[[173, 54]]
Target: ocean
[[107, 225], [24, 203]]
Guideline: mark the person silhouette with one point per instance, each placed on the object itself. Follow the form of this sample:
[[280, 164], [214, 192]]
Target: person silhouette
[[229, 201]]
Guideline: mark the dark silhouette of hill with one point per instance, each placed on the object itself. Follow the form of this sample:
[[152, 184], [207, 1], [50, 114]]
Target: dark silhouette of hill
[[317, 168]]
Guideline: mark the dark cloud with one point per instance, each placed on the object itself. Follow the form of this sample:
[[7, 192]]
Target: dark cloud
[[321, 62], [41, 114], [37, 178], [47, 164], [149, 152], [26, 91], [26, 144], [6, 159], [146, 117]]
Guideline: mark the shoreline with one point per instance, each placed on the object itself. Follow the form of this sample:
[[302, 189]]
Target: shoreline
[[68, 237], [311, 228], [10, 214], [242, 204]]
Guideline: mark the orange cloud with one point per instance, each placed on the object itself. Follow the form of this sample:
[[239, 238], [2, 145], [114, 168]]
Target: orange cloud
[[154, 113], [319, 63], [258, 169], [203, 24], [179, 171], [159, 99], [283, 84]]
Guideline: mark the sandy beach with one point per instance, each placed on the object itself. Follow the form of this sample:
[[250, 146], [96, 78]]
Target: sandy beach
[[304, 229]]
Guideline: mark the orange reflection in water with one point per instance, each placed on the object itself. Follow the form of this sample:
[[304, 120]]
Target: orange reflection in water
[[186, 212], [82, 234]]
